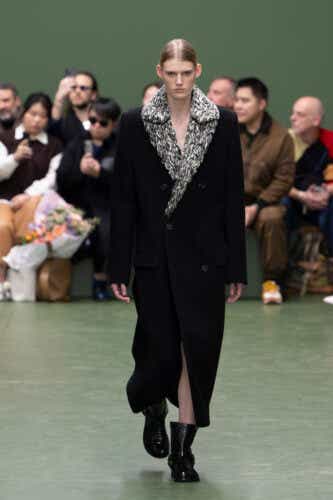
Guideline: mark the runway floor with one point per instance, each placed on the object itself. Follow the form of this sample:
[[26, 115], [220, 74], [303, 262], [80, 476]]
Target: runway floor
[[66, 431]]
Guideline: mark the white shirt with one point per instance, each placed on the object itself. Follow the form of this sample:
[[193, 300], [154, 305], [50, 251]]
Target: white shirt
[[8, 165]]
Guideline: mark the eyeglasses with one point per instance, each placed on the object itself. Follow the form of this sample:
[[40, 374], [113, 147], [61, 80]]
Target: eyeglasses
[[84, 88], [93, 120]]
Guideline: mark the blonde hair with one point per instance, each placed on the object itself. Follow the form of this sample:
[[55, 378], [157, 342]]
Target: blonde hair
[[179, 49]]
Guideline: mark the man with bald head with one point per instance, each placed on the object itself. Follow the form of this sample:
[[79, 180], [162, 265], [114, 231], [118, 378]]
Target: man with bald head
[[311, 199], [222, 92]]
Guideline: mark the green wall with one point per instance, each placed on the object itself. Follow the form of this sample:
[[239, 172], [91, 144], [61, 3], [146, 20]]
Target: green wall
[[286, 43]]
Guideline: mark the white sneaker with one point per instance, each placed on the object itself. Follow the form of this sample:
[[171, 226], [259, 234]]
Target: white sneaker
[[271, 293]]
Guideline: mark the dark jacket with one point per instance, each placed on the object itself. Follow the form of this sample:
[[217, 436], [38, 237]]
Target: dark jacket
[[67, 128], [81, 190], [311, 165], [269, 167], [181, 262]]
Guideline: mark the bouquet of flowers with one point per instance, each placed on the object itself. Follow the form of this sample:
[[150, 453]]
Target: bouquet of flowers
[[58, 230]]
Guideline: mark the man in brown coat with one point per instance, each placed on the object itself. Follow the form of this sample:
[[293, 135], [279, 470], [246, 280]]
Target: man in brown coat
[[269, 170]]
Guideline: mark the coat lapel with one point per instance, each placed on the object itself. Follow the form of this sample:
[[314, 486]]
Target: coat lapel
[[180, 166]]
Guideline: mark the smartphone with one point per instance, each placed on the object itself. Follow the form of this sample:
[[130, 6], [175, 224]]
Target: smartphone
[[70, 72], [88, 147]]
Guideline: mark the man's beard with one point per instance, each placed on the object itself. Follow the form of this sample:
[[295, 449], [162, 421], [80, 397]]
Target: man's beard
[[7, 119], [82, 106]]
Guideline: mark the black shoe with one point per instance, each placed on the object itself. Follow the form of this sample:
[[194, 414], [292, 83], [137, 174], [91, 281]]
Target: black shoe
[[100, 290], [181, 460], [155, 437]]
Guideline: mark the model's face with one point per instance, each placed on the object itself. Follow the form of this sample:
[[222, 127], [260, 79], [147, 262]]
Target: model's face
[[221, 93], [9, 105], [149, 94], [247, 106], [100, 128], [35, 119], [303, 117], [81, 93], [178, 77]]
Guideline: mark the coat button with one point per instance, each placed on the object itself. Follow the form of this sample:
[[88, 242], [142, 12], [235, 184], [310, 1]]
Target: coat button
[[163, 187], [204, 268], [169, 226]]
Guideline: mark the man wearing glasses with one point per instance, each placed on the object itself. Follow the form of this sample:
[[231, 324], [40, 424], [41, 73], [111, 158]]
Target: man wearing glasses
[[71, 105]]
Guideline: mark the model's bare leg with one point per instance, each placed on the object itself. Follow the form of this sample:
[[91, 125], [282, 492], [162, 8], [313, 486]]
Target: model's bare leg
[[186, 413]]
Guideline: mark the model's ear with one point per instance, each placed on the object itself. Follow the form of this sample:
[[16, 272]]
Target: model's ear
[[159, 71], [198, 70]]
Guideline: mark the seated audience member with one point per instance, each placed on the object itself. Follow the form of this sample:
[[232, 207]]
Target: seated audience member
[[149, 91], [28, 160], [10, 105], [310, 199], [268, 157], [84, 179], [71, 106], [222, 92]]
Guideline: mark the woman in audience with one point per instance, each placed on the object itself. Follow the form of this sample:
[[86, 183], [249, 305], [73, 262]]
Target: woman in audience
[[28, 160], [84, 179]]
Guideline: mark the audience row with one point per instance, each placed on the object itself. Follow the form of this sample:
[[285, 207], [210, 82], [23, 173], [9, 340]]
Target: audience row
[[69, 146]]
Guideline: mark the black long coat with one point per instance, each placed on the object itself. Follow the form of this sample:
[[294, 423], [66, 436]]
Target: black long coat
[[181, 263]]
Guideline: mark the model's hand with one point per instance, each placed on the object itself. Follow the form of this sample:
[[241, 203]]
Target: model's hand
[[18, 201], [251, 212], [90, 166], [120, 292], [235, 292]]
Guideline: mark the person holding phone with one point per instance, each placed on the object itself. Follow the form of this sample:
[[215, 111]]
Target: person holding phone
[[29, 158], [177, 209], [70, 111], [84, 179]]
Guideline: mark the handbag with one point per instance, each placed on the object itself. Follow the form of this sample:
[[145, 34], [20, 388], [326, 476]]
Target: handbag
[[53, 280]]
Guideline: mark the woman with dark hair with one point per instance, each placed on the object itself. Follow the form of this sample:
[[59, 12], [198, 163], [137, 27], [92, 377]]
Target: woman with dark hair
[[178, 194], [29, 157], [84, 179]]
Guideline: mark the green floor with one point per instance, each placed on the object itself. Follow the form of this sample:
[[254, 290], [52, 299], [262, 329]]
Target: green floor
[[66, 432]]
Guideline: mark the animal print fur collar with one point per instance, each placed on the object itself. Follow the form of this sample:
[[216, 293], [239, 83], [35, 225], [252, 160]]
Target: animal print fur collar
[[181, 166]]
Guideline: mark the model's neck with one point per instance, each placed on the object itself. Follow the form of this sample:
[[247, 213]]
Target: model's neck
[[179, 108]]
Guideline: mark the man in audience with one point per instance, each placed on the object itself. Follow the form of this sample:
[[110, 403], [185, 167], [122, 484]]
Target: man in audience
[[10, 105], [222, 92], [71, 105], [268, 157], [311, 198], [84, 179]]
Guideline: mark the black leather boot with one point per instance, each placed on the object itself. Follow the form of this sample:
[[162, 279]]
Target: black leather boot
[[181, 460], [155, 437]]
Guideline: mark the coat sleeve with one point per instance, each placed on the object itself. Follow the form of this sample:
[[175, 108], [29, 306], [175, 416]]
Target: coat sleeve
[[69, 176], [234, 213], [123, 209], [283, 176]]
